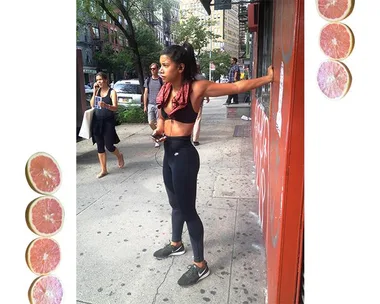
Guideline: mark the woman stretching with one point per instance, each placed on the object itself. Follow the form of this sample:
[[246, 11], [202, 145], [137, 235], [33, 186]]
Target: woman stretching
[[103, 122], [178, 102]]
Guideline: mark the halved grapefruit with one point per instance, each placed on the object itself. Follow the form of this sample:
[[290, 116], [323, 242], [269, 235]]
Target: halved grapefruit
[[46, 290], [43, 173], [334, 79], [335, 10], [336, 40], [44, 215], [43, 255]]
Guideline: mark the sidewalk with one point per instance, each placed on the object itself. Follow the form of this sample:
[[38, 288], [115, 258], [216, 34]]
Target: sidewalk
[[124, 217]]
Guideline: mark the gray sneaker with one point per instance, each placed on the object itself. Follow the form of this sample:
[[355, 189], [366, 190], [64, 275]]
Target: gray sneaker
[[169, 250], [194, 275]]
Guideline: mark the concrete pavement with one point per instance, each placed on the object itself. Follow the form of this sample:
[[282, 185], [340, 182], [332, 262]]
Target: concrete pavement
[[124, 217]]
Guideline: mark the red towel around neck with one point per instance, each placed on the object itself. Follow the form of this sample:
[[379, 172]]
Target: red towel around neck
[[179, 101]]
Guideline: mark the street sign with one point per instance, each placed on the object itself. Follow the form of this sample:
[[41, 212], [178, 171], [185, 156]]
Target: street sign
[[222, 4]]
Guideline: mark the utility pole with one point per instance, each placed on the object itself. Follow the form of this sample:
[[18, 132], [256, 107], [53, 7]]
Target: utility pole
[[209, 65]]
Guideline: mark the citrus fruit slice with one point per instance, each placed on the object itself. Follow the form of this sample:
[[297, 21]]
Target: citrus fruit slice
[[44, 215], [335, 10], [43, 173], [43, 255], [46, 290], [336, 40], [334, 79]]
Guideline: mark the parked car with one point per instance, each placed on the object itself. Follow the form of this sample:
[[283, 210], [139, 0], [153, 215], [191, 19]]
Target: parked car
[[129, 93], [88, 92]]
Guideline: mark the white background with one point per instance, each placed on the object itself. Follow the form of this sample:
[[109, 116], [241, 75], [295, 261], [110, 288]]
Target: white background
[[341, 151], [38, 104], [342, 225]]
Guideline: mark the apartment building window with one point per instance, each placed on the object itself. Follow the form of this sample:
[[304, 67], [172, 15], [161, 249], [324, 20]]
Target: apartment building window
[[88, 60], [86, 34], [95, 30], [116, 38], [106, 33]]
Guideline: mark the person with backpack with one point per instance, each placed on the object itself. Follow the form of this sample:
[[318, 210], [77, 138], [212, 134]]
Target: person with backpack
[[152, 86], [233, 76]]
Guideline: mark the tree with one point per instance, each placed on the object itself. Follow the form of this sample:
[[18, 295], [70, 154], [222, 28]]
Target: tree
[[195, 31], [114, 62], [131, 17], [220, 59]]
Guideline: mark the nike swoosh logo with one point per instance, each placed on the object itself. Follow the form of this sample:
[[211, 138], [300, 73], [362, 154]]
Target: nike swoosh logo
[[202, 273], [177, 249]]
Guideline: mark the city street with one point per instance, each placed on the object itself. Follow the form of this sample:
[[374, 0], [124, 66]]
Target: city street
[[125, 216]]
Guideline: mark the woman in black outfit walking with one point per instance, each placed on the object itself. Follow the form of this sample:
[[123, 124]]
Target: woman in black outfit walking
[[178, 102], [103, 123]]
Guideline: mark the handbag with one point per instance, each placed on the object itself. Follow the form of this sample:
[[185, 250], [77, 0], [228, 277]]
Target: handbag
[[85, 129]]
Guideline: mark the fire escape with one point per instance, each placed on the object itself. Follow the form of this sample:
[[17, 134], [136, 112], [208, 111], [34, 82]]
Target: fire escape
[[166, 27], [243, 21]]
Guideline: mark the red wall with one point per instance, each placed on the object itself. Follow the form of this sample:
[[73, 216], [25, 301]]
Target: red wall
[[279, 156]]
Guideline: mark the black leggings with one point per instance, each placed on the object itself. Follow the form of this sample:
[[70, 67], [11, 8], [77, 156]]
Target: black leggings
[[107, 137], [180, 170]]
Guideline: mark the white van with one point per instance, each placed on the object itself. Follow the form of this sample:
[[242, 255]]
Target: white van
[[128, 93]]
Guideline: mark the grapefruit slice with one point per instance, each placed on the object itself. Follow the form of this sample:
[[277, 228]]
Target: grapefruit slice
[[43, 255], [44, 216], [334, 79], [46, 290], [336, 40], [335, 10], [43, 173]]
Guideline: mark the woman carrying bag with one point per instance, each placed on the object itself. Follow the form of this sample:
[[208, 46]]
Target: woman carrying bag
[[104, 122]]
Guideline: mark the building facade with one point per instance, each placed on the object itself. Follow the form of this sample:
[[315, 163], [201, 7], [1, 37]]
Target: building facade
[[162, 21], [92, 37], [226, 25]]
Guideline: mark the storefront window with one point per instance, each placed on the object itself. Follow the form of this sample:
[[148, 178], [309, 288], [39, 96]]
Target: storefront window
[[264, 51]]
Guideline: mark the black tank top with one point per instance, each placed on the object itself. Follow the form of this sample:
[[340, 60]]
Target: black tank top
[[103, 112], [184, 115]]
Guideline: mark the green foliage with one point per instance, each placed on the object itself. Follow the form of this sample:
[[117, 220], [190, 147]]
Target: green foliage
[[220, 59], [130, 115], [148, 46], [105, 58], [130, 16], [195, 31]]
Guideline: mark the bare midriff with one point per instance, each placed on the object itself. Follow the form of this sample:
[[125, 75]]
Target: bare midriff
[[176, 128]]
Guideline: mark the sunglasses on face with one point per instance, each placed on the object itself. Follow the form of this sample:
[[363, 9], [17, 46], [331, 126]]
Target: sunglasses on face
[[153, 68]]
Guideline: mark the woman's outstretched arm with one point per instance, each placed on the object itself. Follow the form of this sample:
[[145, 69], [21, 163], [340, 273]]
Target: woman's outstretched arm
[[212, 89]]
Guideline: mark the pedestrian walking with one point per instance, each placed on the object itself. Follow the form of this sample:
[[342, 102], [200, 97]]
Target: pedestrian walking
[[178, 102], [197, 124], [152, 86], [104, 100], [233, 76]]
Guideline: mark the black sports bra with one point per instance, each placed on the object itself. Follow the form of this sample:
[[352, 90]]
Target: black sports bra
[[184, 115]]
